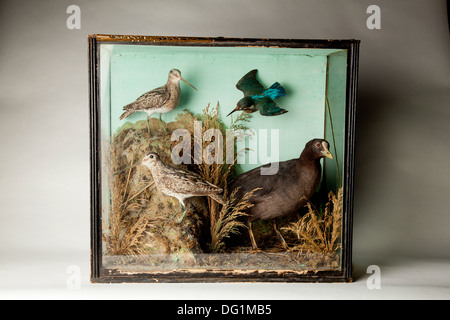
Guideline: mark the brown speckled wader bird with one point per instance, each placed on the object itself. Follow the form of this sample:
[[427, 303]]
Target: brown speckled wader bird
[[179, 183], [159, 100]]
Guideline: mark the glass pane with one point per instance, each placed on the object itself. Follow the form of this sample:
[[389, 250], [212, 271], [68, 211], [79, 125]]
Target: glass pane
[[200, 154]]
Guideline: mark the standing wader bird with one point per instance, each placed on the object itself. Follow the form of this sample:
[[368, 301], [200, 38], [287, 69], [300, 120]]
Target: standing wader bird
[[159, 100], [179, 183]]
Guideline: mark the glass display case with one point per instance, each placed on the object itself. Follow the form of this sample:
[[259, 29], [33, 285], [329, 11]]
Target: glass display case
[[221, 160]]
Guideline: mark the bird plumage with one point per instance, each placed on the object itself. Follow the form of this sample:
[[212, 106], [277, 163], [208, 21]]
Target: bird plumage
[[153, 101], [285, 192], [160, 100], [249, 85], [180, 183], [257, 98], [274, 92]]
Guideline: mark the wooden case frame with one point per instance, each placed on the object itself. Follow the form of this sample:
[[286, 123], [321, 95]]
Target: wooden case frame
[[98, 275]]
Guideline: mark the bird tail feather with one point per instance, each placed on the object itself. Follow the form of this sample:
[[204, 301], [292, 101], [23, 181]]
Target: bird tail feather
[[126, 114], [218, 198], [275, 91]]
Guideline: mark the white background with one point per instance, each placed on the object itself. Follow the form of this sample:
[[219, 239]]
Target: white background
[[401, 218]]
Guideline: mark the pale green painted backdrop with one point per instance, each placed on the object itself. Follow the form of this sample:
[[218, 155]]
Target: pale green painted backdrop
[[130, 70]]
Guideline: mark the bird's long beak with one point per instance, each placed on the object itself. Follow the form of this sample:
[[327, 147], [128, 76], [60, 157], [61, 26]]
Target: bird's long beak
[[326, 152], [232, 112], [189, 84]]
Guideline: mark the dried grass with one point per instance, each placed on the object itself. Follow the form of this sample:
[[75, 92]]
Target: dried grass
[[228, 221], [129, 230], [224, 221], [123, 234], [319, 232]]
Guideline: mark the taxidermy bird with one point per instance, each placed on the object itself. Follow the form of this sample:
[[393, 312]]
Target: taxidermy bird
[[179, 183], [285, 192], [159, 100], [256, 98]]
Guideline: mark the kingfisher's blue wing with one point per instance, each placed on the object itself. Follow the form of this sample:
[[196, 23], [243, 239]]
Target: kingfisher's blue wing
[[275, 91], [268, 107], [249, 85]]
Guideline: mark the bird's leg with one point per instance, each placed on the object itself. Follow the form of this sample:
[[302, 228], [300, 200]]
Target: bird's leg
[[184, 213], [182, 205], [279, 234], [179, 209], [252, 237], [185, 210], [165, 130], [148, 125]]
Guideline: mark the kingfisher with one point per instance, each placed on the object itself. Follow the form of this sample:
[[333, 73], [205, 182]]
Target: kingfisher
[[257, 98]]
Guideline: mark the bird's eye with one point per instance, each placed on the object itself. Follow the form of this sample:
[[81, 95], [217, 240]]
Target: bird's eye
[[151, 156], [318, 145]]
